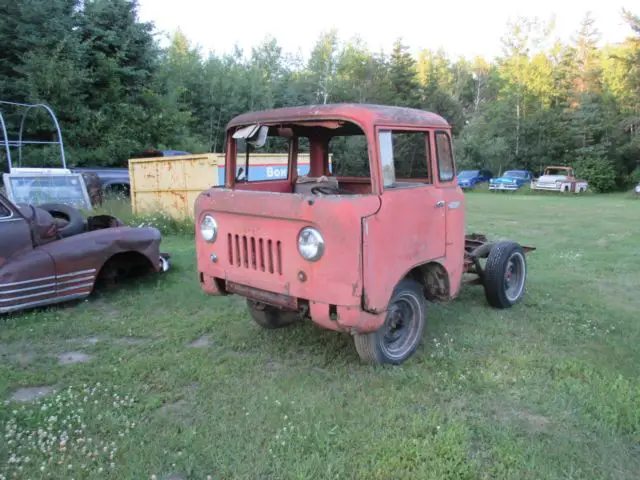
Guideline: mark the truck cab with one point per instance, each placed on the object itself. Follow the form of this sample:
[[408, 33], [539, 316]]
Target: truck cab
[[357, 248]]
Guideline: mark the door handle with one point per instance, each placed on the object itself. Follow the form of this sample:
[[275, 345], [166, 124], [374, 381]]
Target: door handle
[[440, 204]]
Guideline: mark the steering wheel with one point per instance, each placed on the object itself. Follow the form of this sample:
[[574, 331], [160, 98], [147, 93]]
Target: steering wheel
[[327, 190]]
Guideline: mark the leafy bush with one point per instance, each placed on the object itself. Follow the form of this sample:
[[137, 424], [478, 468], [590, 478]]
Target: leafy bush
[[598, 171]]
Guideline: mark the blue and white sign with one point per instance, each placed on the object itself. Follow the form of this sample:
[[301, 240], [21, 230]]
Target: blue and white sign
[[266, 172]]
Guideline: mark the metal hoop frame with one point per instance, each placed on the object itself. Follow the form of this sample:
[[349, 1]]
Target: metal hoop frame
[[20, 142]]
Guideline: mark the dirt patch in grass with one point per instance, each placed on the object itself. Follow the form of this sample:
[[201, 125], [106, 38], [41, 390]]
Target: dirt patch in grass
[[171, 408], [69, 358], [84, 341], [538, 423], [131, 340], [31, 393], [23, 359], [533, 422], [201, 342]]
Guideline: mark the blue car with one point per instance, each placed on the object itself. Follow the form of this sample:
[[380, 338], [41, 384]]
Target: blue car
[[511, 180], [470, 178]]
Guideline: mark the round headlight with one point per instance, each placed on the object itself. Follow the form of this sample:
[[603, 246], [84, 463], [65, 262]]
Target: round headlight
[[310, 244], [208, 228]]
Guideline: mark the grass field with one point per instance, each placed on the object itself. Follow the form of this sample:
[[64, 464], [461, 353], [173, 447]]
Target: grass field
[[175, 384]]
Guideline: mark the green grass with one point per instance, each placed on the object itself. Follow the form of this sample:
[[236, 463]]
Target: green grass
[[549, 389]]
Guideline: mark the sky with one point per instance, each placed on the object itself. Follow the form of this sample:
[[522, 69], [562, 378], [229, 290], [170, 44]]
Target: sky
[[460, 27]]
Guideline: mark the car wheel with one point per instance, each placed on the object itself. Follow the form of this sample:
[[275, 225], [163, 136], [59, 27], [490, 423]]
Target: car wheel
[[271, 317], [72, 220], [505, 275], [400, 334]]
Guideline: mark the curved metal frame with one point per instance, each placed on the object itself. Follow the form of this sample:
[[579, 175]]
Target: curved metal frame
[[5, 137], [20, 142]]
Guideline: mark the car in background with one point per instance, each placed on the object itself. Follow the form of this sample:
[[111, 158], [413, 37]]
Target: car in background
[[511, 180], [470, 178], [559, 179]]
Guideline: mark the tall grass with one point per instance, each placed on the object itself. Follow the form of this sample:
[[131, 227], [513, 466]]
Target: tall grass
[[119, 206]]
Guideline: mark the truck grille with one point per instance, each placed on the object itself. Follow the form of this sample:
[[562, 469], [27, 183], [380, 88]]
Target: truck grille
[[255, 253]]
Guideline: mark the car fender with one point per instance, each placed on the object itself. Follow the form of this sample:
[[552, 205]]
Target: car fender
[[419, 272], [89, 252]]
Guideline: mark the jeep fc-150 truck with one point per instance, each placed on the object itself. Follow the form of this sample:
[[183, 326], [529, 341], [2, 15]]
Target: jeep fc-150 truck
[[358, 248]]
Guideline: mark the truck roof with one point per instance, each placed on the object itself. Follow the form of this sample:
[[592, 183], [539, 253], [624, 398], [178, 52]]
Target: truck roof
[[363, 114]]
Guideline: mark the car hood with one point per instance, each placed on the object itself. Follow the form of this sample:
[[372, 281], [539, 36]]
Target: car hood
[[551, 178]]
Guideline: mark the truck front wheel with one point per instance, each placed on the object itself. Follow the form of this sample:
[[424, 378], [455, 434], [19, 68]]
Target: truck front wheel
[[271, 317], [505, 274], [400, 334]]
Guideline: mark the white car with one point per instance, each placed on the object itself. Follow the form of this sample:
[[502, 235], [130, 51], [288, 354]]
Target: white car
[[559, 179]]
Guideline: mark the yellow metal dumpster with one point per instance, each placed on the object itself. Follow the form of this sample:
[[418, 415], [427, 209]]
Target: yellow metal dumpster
[[171, 184]]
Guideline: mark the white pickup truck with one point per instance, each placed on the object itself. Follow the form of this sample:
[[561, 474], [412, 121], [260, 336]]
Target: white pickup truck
[[559, 179]]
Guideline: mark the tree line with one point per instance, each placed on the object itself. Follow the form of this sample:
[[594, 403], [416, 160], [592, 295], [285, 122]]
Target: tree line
[[117, 92]]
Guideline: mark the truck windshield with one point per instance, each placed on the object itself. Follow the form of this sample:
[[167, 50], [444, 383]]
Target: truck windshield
[[514, 174], [264, 155], [556, 171], [269, 162]]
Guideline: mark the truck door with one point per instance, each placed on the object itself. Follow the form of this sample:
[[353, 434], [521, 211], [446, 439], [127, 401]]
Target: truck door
[[410, 227], [27, 275], [452, 206]]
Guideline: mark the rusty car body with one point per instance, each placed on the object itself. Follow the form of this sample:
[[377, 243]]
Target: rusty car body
[[46, 258], [359, 248]]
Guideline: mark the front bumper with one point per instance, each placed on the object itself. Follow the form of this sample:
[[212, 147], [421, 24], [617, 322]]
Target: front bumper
[[341, 318], [550, 187], [165, 262], [504, 186]]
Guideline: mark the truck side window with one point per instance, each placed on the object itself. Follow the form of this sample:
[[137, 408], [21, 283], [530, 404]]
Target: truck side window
[[404, 155], [445, 157]]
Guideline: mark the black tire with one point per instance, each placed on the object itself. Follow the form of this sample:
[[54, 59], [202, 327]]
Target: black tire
[[271, 317], [505, 260], [407, 307], [73, 217]]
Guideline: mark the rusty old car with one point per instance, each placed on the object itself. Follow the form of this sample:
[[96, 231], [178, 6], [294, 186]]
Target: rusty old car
[[51, 254], [360, 247], [559, 179]]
